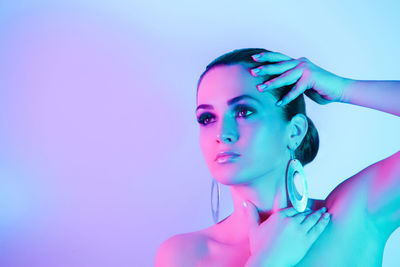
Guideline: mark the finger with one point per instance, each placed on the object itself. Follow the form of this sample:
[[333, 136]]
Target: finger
[[252, 214], [317, 229], [290, 211], [316, 97], [273, 69], [297, 90], [300, 217], [286, 78], [312, 219], [270, 56]]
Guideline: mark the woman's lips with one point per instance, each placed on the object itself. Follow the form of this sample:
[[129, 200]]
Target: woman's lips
[[226, 158], [226, 153]]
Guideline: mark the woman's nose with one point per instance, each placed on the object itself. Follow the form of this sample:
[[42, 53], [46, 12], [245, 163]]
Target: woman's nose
[[227, 131], [226, 138]]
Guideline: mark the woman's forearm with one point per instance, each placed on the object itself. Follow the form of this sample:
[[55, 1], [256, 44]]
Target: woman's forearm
[[379, 95]]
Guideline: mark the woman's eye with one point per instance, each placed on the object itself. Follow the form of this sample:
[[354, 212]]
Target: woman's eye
[[240, 109], [203, 118]]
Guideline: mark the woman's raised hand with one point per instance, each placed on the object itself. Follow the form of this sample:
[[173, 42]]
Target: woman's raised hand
[[285, 237], [325, 87]]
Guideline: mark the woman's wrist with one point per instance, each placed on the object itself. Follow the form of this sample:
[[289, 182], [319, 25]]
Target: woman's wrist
[[346, 88], [380, 95]]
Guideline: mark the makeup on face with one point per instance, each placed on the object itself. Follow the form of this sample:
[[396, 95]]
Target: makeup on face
[[240, 107]]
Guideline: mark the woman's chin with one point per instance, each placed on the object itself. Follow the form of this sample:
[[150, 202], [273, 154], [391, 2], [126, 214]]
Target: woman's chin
[[226, 178], [228, 173]]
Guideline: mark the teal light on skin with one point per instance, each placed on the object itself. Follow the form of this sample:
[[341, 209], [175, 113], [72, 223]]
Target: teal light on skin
[[259, 133], [364, 208]]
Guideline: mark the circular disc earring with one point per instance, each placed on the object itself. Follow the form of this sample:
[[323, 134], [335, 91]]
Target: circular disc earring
[[295, 169], [215, 210]]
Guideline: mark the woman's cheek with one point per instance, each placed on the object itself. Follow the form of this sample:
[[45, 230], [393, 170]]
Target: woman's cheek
[[206, 143]]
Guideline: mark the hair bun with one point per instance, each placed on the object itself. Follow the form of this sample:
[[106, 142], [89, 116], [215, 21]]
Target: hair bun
[[308, 148]]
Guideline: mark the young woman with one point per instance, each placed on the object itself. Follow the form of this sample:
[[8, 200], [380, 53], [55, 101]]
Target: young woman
[[255, 137]]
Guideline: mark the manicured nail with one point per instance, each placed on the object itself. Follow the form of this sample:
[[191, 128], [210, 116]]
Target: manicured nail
[[261, 87], [327, 215], [256, 56], [323, 209], [254, 72], [279, 103]]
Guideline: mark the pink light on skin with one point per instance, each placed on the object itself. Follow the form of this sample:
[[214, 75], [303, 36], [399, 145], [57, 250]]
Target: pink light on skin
[[253, 127], [215, 89], [384, 179]]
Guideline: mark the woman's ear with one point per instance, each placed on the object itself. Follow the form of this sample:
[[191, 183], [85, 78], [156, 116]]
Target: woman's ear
[[297, 130]]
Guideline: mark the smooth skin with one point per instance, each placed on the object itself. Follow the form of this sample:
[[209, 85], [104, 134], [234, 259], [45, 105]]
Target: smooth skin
[[285, 230], [326, 86], [366, 204]]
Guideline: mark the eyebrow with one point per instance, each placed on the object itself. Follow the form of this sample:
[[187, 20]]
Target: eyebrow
[[229, 102]]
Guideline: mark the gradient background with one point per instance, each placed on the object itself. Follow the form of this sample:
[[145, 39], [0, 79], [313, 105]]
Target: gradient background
[[99, 153]]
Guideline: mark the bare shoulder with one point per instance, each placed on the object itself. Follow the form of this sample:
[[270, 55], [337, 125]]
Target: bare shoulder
[[348, 204], [181, 250]]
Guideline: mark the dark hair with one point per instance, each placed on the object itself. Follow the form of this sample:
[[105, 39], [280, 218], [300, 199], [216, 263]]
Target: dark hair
[[308, 148]]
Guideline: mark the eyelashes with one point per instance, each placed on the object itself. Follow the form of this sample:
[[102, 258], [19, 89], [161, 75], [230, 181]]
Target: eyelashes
[[238, 109]]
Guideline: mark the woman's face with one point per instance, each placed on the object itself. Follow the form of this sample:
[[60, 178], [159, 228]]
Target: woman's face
[[254, 128]]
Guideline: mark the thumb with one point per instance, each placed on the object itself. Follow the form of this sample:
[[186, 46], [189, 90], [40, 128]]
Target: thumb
[[251, 211]]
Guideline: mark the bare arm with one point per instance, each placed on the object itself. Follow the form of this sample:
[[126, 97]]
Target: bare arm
[[378, 184], [382, 179], [379, 95]]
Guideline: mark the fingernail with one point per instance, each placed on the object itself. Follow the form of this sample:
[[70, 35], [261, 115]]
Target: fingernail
[[327, 215], [323, 209], [244, 204], [254, 72], [261, 86], [256, 56], [279, 103]]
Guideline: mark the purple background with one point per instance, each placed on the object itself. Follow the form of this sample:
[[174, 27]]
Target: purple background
[[99, 153]]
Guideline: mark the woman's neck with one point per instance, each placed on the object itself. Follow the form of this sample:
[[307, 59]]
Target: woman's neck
[[267, 193]]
